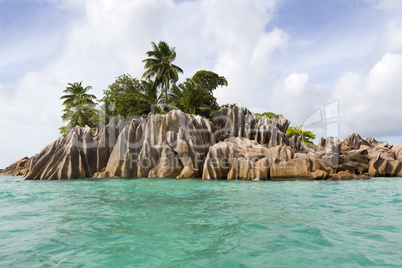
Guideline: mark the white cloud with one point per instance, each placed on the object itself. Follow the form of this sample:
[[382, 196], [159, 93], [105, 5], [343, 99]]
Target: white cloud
[[267, 68], [370, 104], [298, 98], [105, 39]]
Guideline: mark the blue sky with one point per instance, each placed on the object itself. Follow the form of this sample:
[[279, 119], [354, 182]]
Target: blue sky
[[287, 56]]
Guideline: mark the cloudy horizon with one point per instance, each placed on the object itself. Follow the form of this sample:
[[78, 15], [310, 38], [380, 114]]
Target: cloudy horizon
[[282, 56]]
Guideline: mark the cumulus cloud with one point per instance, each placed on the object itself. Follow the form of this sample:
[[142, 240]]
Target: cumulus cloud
[[104, 39], [267, 68], [298, 98], [370, 104]]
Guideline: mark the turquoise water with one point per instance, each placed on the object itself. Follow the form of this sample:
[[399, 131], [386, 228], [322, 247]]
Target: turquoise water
[[195, 223]]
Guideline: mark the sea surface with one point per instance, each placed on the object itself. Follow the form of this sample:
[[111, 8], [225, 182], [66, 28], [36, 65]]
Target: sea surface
[[195, 223]]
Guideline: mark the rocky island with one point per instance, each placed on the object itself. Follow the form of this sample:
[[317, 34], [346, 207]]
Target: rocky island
[[234, 145]]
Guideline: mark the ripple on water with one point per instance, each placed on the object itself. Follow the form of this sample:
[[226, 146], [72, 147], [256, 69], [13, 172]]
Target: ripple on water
[[200, 223]]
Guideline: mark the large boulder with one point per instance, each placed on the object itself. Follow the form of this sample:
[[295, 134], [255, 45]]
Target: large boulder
[[397, 150], [66, 158], [239, 158], [243, 159], [79, 155], [355, 161], [380, 167], [19, 168], [234, 122], [354, 141], [329, 145], [328, 150], [169, 145]]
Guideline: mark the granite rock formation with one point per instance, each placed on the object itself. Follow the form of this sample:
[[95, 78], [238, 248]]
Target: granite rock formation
[[19, 168], [79, 155], [161, 146], [241, 158], [234, 145]]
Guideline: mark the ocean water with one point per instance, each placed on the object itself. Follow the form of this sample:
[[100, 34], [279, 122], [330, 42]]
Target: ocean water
[[195, 223]]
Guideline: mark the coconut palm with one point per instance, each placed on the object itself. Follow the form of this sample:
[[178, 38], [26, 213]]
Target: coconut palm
[[77, 95], [159, 66], [191, 99], [80, 108]]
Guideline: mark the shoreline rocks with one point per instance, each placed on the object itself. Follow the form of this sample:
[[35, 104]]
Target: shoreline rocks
[[233, 146]]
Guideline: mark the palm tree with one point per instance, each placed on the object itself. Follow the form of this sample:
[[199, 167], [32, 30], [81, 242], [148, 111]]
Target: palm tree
[[159, 66], [76, 95], [80, 108], [191, 99], [149, 92]]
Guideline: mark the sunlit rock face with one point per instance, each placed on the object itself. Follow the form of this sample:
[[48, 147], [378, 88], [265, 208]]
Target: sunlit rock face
[[234, 145], [241, 158], [161, 146], [234, 122], [79, 155]]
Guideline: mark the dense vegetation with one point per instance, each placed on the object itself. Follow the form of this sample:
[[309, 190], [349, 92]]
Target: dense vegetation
[[157, 92]]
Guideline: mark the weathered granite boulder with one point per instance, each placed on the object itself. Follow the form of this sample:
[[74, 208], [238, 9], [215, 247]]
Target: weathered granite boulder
[[233, 146], [243, 159], [355, 161], [66, 158], [271, 133], [354, 141], [377, 144], [169, 145], [19, 168], [327, 150], [397, 150], [79, 155], [380, 167], [234, 122], [295, 143], [383, 152], [329, 145], [238, 158]]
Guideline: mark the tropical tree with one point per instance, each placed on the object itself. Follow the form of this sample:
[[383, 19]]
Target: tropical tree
[[208, 80], [79, 107], [190, 99], [77, 94], [130, 96], [306, 136], [159, 66]]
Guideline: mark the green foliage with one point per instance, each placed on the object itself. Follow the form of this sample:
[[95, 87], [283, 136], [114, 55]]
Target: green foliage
[[107, 112], [190, 99], [159, 66], [233, 105], [306, 136], [129, 96], [209, 81], [79, 108], [195, 96], [270, 115]]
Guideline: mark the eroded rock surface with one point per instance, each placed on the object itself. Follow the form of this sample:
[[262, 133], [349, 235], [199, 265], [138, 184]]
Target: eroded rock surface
[[19, 168], [241, 158], [233, 146], [79, 155], [161, 146]]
